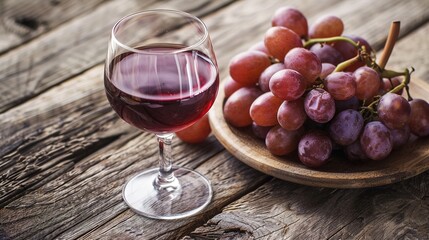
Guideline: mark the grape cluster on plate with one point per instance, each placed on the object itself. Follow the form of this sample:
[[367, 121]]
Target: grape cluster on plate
[[312, 89]]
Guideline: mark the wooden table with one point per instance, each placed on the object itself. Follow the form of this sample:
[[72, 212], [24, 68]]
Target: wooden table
[[65, 155]]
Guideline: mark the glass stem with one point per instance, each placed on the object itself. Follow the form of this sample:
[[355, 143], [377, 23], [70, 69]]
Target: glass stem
[[165, 179]]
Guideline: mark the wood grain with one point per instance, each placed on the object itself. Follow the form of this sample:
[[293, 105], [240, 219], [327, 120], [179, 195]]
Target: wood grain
[[22, 20], [283, 210]]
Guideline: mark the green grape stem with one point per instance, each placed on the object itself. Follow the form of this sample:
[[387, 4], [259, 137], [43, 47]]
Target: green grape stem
[[370, 110], [313, 41], [340, 67]]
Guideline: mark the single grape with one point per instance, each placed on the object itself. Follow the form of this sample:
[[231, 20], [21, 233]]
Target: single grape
[[368, 83], [351, 103], [347, 50], [263, 110], [327, 68], [341, 85], [319, 105], [280, 40], [291, 18], [280, 141], [264, 79], [197, 132], [246, 67], [237, 106], [376, 140], [314, 149], [393, 110], [325, 27], [230, 86], [260, 131], [327, 54], [259, 46], [419, 117], [389, 84], [291, 114], [304, 62], [354, 152], [346, 126], [400, 136], [288, 84]]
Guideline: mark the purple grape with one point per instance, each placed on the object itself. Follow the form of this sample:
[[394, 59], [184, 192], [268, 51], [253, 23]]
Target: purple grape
[[394, 110], [346, 127], [319, 105], [400, 136], [376, 140], [314, 149], [419, 117], [354, 152], [260, 131], [327, 54]]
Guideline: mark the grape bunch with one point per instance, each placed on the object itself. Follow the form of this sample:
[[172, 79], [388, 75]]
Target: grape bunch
[[310, 90]]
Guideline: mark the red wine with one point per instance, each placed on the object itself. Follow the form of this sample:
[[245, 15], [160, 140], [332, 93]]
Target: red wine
[[160, 92]]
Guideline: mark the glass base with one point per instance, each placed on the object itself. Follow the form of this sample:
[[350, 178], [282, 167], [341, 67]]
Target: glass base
[[190, 194]]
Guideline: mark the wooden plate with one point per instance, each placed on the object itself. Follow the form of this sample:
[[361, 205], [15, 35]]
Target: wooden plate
[[408, 161]]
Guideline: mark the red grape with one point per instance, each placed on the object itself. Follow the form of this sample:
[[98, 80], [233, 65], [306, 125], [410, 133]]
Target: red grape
[[314, 149], [341, 85], [246, 67], [291, 18], [237, 106], [280, 141], [327, 26], [279, 40], [376, 140], [288, 84], [319, 105], [393, 110], [327, 68], [304, 62], [264, 79], [419, 117], [263, 110], [197, 132], [291, 114], [367, 83], [259, 46], [230, 86], [346, 126]]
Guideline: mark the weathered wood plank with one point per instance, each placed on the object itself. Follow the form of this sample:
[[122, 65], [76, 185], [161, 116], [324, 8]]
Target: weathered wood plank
[[72, 48], [283, 210], [92, 189], [21, 20]]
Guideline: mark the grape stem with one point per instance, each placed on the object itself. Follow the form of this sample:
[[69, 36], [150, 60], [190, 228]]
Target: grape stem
[[340, 67], [313, 41], [404, 84], [390, 43]]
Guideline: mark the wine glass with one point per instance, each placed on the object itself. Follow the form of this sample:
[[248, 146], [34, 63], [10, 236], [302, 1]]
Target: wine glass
[[161, 76]]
